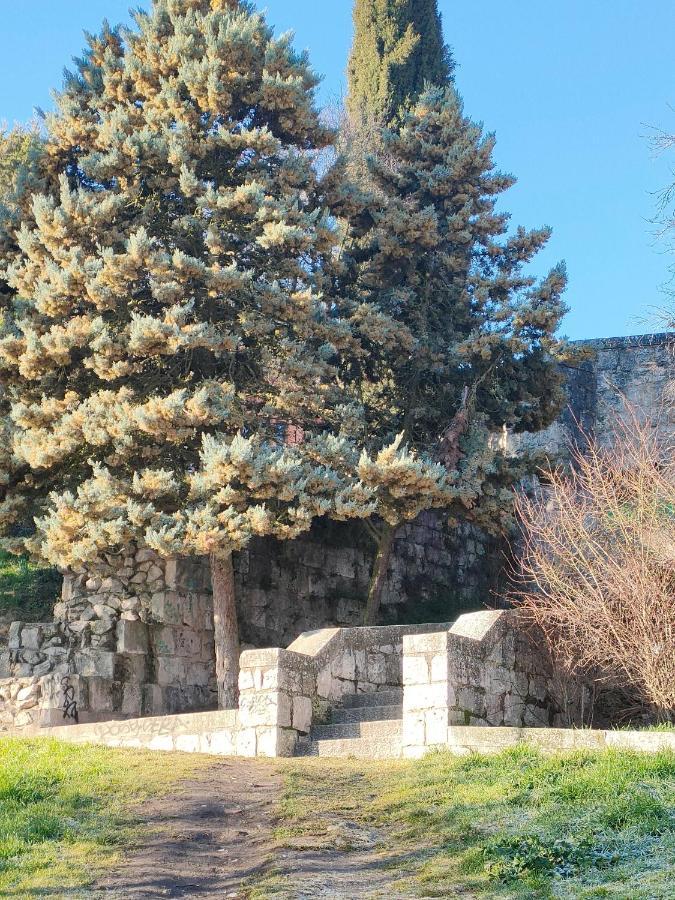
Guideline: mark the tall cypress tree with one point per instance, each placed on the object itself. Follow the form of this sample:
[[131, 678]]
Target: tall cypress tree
[[398, 50]]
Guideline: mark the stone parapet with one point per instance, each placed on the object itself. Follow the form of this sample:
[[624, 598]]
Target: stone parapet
[[481, 672], [357, 660], [216, 733]]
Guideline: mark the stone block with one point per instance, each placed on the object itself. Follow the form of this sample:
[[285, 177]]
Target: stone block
[[25, 718], [415, 670], [471, 699], [166, 608], [267, 742], [23, 670], [28, 703], [199, 674], [145, 555], [246, 742], [187, 642], [246, 679], [495, 710], [14, 637], [265, 709], [155, 573], [27, 691], [95, 662], [112, 586], [132, 699], [323, 683], [170, 670], [31, 637], [439, 667], [346, 667], [425, 696], [377, 670], [436, 722], [132, 637], [394, 664], [302, 714], [153, 699], [132, 667], [413, 729], [287, 740], [43, 668], [223, 743], [102, 695], [170, 574]]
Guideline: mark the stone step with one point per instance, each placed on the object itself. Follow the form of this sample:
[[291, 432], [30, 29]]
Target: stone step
[[339, 715], [380, 698], [347, 730], [356, 748]]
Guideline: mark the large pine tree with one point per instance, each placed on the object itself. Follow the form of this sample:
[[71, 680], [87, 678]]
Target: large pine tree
[[398, 50], [166, 320]]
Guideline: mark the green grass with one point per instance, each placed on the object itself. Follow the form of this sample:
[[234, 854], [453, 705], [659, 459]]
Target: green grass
[[67, 811], [519, 825], [26, 590]]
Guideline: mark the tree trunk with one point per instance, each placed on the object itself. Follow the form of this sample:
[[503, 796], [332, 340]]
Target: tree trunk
[[225, 631], [379, 574]]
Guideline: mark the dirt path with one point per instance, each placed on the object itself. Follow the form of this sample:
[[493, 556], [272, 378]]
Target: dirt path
[[344, 864], [205, 840], [213, 838]]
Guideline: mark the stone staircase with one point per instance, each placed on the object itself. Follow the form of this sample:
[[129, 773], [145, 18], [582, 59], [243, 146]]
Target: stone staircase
[[363, 726]]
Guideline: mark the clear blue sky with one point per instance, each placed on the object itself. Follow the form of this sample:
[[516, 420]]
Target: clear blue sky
[[570, 88]]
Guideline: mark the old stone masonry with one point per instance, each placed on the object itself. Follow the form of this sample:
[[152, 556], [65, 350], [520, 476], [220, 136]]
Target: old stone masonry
[[134, 639]]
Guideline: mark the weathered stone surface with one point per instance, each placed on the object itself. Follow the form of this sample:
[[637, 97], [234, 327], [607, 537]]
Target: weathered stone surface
[[132, 637]]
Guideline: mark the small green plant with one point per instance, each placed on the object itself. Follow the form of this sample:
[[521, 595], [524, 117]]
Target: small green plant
[[519, 856]]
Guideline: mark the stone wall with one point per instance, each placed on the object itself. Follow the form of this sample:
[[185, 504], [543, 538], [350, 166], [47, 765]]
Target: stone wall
[[639, 370], [137, 632], [134, 637], [286, 588], [215, 733], [479, 671]]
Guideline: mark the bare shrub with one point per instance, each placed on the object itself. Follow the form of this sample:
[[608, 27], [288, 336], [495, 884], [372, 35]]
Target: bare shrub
[[598, 564]]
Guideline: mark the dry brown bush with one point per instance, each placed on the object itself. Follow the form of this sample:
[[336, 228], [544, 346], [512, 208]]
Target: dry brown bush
[[598, 564]]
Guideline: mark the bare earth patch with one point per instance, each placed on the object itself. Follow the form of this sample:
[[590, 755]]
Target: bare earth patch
[[215, 837], [204, 840], [341, 860]]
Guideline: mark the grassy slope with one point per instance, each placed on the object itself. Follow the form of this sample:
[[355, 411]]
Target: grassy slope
[[67, 811], [520, 825], [27, 591]]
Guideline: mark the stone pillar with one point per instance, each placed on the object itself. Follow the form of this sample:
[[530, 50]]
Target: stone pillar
[[426, 692], [276, 690]]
